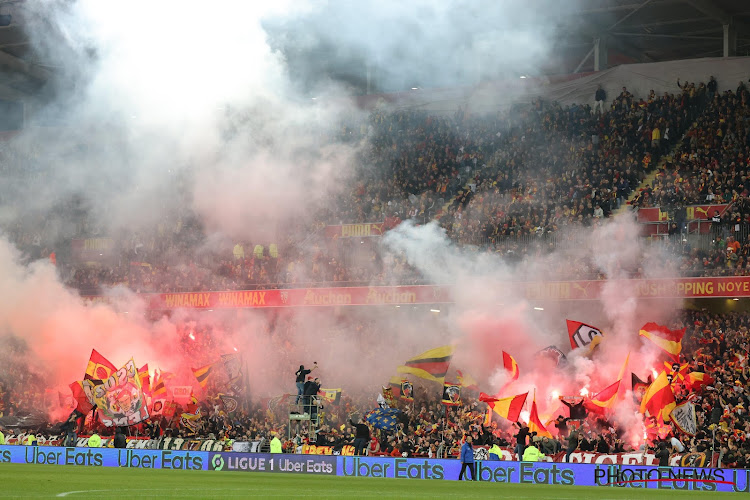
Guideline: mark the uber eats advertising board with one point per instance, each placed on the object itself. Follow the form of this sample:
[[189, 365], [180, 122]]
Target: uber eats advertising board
[[601, 475]]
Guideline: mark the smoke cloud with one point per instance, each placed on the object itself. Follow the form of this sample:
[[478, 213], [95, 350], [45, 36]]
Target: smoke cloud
[[491, 315], [179, 111], [421, 43]]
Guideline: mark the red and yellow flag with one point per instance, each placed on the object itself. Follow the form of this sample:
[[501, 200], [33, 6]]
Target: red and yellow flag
[[679, 374], [395, 384], [670, 341], [606, 398], [467, 381], [536, 425], [694, 380], [159, 386], [508, 408], [83, 404], [202, 374], [511, 366], [145, 379], [99, 367], [659, 398], [430, 365]]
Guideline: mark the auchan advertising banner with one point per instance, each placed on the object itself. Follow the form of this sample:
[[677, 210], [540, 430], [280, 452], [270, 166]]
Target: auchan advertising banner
[[725, 287]]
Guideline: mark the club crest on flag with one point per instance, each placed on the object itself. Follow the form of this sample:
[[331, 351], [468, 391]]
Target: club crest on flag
[[451, 394], [407, 390], [230, 403], [581, 334]]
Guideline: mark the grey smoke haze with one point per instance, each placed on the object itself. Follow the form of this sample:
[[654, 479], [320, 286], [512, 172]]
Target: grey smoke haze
[[167, 103], [491, 313], [417, 43], [162, 109], [170, 104]]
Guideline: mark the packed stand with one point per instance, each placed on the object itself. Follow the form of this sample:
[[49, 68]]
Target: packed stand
[[508, 182], [710, 165], [715, 344]]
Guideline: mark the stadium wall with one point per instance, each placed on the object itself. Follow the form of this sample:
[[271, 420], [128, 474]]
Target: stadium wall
[[573, 89], [624, 476]]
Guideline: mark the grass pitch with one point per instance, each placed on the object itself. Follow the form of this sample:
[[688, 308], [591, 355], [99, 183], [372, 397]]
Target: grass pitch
[[55, 481]]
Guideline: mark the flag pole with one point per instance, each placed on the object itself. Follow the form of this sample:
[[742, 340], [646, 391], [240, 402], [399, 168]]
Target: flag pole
[[245, 383]]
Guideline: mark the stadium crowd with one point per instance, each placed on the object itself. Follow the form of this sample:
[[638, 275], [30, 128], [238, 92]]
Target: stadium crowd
[[715, 344], [512, 183]]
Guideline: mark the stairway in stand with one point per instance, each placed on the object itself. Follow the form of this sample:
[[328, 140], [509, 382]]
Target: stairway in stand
[[647, 181]]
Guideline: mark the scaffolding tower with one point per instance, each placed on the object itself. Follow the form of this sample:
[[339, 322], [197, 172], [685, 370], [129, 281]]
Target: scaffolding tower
[[304, 415]]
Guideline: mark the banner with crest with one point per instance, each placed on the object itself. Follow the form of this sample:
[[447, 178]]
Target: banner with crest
[[119, 398]]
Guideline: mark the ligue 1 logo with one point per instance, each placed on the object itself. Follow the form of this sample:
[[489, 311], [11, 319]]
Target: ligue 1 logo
[[217, 462]]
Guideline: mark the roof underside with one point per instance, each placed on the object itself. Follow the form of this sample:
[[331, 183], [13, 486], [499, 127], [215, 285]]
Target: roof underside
[[634, 30], [658, 30]]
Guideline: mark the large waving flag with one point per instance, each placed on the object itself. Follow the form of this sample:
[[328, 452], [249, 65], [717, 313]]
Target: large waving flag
[[659, 399], [333, 396], [430, 365], [670, 341], [582, 335], [694, 380], [467, 381], [683, 417], [145, 379], [395, 383], [552, 354], [83, 403], [624, 367], [189, 419], [510, 365], [232, 364], [99, 367], [202, 374], [120, 400], [536, 425], [606, 398], [383, 418], [192, 405], [508, 408], [639, 388], [159, 388]]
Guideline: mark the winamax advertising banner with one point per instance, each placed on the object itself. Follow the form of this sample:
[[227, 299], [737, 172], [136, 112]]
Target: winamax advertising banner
[[563, 474], [708, 287]]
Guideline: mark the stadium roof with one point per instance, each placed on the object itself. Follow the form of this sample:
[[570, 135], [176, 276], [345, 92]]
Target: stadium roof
[[660, 30], [630, 30]]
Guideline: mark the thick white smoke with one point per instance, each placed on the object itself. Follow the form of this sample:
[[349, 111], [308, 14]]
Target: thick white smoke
[[491, 314], [173, 107]]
